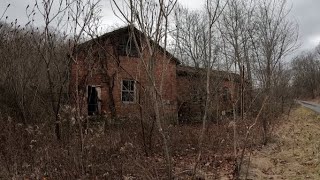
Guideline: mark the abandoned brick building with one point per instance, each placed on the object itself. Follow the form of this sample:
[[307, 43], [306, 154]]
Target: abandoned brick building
[[110, 78], [224, 92]]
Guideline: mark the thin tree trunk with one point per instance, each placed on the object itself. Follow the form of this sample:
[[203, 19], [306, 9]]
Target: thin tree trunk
[[162, 133], [204, 122]]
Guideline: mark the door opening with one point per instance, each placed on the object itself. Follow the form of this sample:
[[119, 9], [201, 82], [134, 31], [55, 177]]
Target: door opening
[[92, 100]]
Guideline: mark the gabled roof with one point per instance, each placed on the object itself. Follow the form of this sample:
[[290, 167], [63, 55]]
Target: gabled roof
[[118, 32]]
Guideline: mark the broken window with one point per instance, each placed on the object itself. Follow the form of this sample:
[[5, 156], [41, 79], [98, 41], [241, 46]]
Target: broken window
[[127, 47], [128, 91]]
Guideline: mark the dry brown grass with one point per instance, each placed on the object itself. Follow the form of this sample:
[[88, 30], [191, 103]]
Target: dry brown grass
[[294, 153], [115, 153]]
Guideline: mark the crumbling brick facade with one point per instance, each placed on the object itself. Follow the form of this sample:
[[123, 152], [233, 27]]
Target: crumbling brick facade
[[191, 87]]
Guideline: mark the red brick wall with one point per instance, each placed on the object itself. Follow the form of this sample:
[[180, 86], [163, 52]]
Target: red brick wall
[[191, 89], [124, 67]]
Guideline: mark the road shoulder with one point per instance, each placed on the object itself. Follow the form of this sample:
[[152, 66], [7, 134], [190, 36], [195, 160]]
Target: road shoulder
[[294, 152]]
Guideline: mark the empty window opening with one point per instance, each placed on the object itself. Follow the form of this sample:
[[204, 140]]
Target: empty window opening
[[226, 94], [93, 100], [128, 91]]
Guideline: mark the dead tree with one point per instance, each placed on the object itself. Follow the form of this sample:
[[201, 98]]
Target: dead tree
[[306, 70], [152, 19], [274, 37], [235, 26], [213, 12], [189, 36]]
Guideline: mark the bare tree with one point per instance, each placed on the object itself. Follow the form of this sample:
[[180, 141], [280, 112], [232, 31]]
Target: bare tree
[[213, 12], [49, 49], [152, 19], [306, 69], [235, 27], [84, 19], [21, 77], [189, 36], [273, 38]]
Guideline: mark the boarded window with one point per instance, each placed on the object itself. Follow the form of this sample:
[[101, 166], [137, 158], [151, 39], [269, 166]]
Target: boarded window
[[128, 91]]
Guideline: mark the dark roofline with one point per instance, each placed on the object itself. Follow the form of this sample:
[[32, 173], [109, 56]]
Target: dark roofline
[[196, 72], [120, 31]]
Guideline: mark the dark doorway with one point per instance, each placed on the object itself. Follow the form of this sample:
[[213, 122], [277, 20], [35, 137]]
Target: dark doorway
[[92, 100]]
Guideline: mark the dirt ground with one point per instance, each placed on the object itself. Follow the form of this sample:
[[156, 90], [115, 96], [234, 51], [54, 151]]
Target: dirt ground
[[293, 153]]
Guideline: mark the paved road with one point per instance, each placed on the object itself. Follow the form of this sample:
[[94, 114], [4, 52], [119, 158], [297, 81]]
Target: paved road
[[310, 105]]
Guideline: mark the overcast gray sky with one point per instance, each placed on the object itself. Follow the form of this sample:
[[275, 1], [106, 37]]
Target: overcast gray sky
[[305, 12]]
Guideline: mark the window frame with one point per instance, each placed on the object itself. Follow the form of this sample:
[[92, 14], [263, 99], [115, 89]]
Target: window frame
[[129, 91]]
